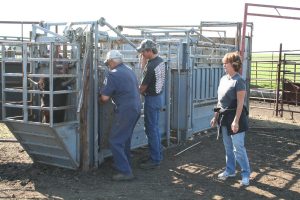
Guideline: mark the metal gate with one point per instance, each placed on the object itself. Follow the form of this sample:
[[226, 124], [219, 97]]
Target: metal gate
[[194, 67]]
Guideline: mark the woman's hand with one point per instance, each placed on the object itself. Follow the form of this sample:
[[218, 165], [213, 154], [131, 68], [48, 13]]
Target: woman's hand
[[235, 126], [213, 122]]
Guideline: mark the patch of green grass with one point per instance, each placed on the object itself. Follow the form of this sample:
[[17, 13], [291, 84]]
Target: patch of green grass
[[264, 69]]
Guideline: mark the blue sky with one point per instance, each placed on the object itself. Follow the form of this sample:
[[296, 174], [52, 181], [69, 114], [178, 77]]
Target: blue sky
[[268, 32]]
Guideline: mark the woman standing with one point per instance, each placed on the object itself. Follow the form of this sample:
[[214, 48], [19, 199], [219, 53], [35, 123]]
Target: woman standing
[[231, 116]]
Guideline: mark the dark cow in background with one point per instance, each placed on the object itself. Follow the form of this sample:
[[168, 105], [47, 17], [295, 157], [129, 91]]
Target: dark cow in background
[[58, 99]]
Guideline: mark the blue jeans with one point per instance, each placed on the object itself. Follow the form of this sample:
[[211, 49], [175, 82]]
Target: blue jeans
[[120, 139], [152, 108], [235, 151]]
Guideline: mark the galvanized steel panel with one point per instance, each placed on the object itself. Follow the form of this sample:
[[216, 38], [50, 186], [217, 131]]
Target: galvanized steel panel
[[56, 146]]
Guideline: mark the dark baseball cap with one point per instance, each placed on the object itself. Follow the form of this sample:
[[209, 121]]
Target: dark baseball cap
[[146, 44]]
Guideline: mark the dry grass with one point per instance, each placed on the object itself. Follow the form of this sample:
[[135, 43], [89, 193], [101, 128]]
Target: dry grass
[[4, 132]]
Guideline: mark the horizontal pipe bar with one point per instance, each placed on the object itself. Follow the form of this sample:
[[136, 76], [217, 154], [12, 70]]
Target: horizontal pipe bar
[[274, 16], [272, 6], [38, 107], [40, 92], [160, 26], [40, 75], [13, 119], [19, 22]]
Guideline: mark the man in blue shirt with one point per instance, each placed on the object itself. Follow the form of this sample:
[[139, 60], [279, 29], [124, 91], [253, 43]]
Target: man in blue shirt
[[121, 86], [152, 88]]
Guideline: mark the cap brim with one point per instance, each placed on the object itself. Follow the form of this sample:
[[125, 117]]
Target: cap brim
[[139, 49], [106, 61]]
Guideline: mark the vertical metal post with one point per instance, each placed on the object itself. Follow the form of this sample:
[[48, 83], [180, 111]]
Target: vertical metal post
[[51, 54], [278, 79], [33, 33], [76, 50], [179, 53], [32, 70], [168, 94], [191, 87], [256, 73], [25, 106], [22, 32], [96, 86], [295, 72], [282, 84], [91, 98], [3, 81], [244, 31], [272, 69], [189, 103]]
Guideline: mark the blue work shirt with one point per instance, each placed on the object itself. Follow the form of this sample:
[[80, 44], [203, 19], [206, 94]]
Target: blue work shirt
[[122, 86]]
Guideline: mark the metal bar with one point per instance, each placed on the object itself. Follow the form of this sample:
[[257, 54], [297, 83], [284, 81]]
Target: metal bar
[[51, 83], [11, 105], [278, 80], [20, 43], [189, 84], [51, 32], [178, 93], [3, 82], [39, 59], [71, 24], [14, 38], [96, 86], [103, 22], [14, 60], [220, 24], [54, 75], [207, 134], [272, 6], [84, 75], [168, 95], [19, 22], [25, 109], [191, 88], [14, 119], [39, 92], [282, 85], [193, 31], [261, 98], [159, 26], [177, 154], [273, 16], [90, 101], [78, 82], [244, 31], [246, 13], [13, 74], [165, 31]]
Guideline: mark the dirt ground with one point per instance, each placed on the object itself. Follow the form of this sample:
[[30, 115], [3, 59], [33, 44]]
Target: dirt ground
[[189, 171]]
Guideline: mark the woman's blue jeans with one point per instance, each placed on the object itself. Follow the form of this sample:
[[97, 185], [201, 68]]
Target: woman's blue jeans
[[235, 151], [152, 108]]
